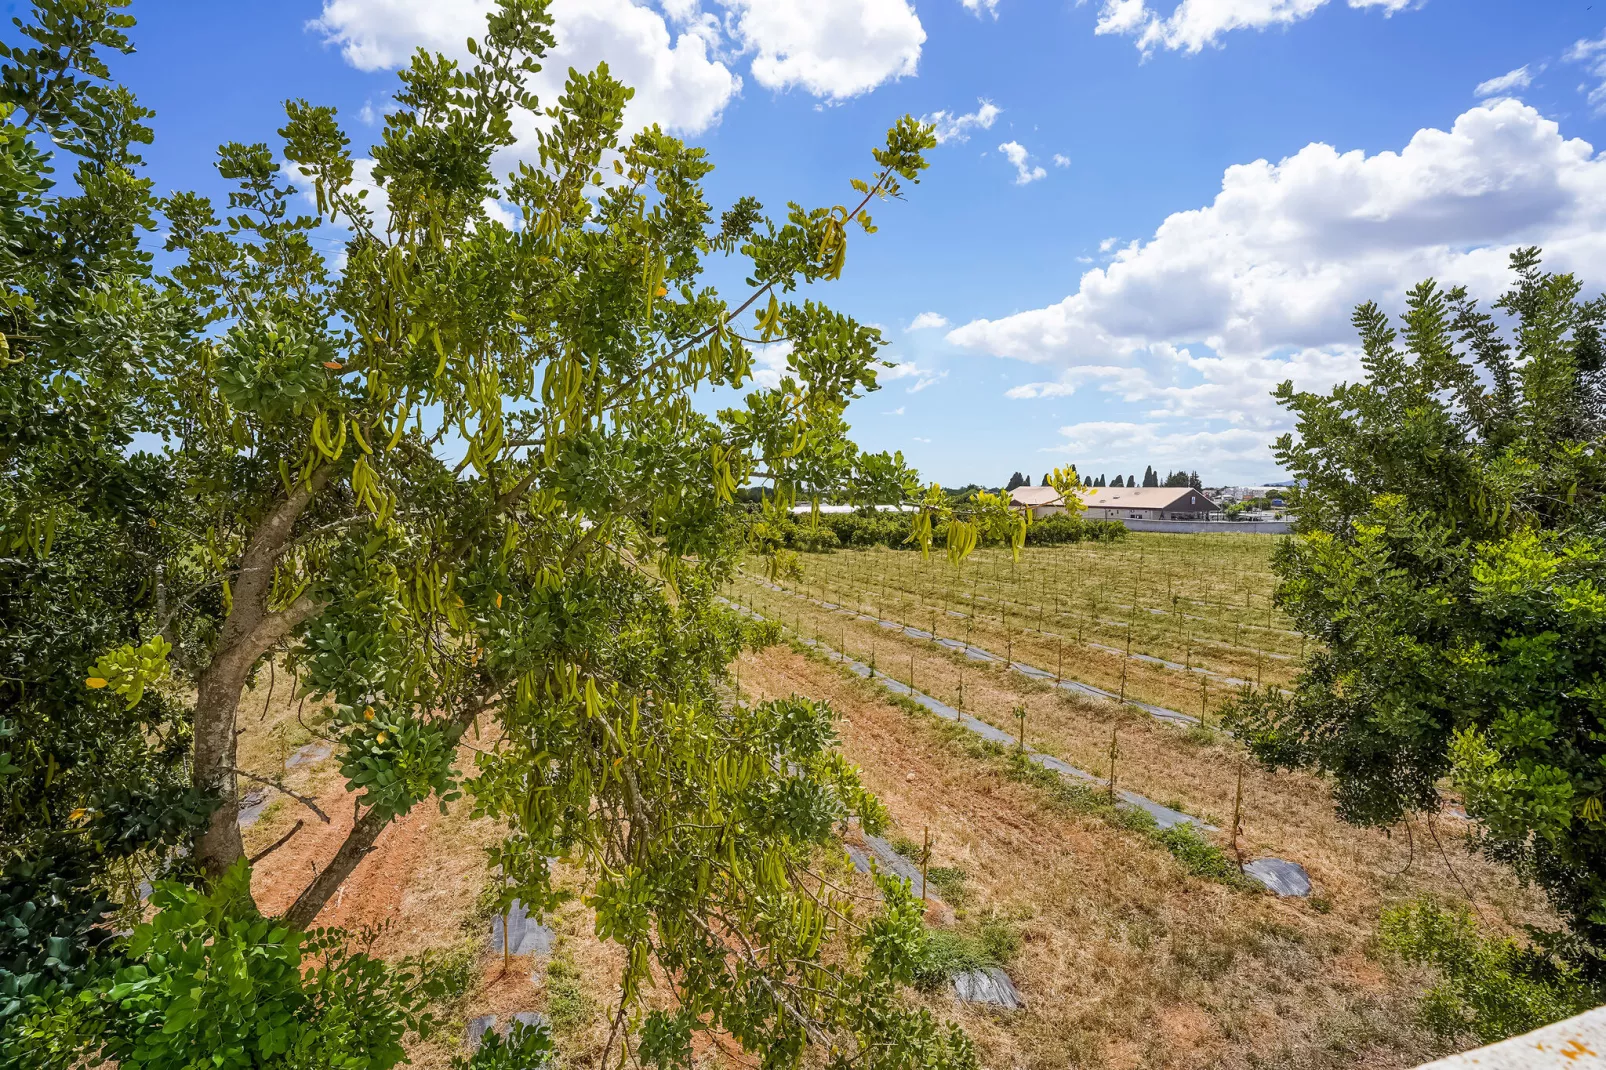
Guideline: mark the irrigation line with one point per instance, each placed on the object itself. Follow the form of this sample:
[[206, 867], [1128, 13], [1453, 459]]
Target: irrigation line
[[1164, 816]]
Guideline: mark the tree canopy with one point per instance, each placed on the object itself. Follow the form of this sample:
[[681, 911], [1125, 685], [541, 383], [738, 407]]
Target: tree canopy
[[455, 482], [1449, 563]]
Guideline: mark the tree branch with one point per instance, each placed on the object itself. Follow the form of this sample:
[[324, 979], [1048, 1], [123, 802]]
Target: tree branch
[[278, 843], [364, 834], [279, 785]]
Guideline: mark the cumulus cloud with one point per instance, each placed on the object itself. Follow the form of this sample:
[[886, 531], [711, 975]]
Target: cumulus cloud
[[833, 48], [976, 7], [1503, 84], [1200, 321], [1061, 160], [923, 377], [678, 81], [678, 60], [1025, 171], [1193, 24], [927, 321], [1286, 249], [953, 126]]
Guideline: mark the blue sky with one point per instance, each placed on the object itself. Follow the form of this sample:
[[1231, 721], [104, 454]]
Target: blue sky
[[1153, 211]]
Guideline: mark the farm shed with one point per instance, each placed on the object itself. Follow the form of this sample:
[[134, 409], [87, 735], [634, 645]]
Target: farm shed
[[1042, 501], [1147, 503]]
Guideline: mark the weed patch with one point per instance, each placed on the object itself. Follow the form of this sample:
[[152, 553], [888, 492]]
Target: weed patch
[[946, 952], [568, 1007], [1201, 857]]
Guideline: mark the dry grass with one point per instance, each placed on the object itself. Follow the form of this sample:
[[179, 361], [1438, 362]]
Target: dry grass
[[1127, 960], [1197, 600]]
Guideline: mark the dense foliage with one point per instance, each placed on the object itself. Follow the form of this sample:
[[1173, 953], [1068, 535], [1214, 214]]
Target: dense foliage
[[830, 531], [1491, 987], [1450, 562], [454, 480], [92, 782]]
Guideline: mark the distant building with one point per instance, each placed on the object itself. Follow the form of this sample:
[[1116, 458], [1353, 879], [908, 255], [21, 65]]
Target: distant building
[[1042, 501], [1147, 503]]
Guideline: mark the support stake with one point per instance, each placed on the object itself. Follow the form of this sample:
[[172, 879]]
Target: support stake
[[925, 860], [1115, 752], [1237, 817]]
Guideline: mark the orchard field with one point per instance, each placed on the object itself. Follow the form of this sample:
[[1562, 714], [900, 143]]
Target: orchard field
[[1180, 621], [1128, 953]]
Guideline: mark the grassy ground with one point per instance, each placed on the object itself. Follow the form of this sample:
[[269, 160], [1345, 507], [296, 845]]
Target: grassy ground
[[1200, 599], [1080, 610], [1125, 957]]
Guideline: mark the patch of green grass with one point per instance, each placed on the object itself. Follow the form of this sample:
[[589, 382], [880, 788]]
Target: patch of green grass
[[907, 847], [454, 971], [993, 942], [1199, 856], [949, 884], [568, 1007]]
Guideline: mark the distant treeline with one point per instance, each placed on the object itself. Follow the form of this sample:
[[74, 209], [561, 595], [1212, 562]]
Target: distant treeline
[[862, 530]]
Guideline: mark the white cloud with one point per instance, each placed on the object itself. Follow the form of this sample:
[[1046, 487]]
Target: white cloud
[[1593, 55], [894, 412], [769, 364], [927, 441], [1113, 444], [1193, 24], [923, 377], [1505, 83], [1197, 323], [678, 83], [1286, 249], [1107, 244], [952, 126], [1015, 152], [926, 321], [1061, 160], [833, 48], [976, 7]]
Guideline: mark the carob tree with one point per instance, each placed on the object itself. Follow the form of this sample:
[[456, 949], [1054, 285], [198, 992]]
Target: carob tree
[[458, 483]]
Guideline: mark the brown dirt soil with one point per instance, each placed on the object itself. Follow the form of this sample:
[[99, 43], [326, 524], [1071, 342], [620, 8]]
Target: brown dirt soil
[[1127, 960]]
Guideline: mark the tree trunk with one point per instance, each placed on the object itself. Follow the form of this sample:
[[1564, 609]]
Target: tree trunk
[[248, 632]]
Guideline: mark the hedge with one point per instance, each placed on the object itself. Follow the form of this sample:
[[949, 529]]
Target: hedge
[[863, 530]]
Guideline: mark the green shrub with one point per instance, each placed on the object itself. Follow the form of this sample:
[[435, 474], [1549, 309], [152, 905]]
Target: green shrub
[[1491, 987], [1064, 529], [859, 531], [944, 954]]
